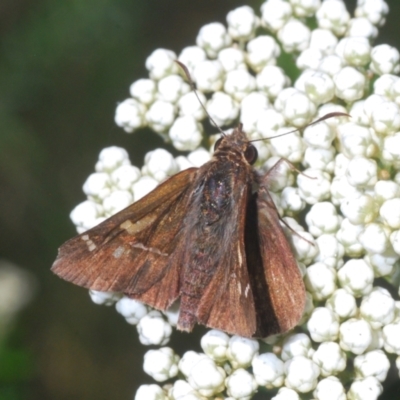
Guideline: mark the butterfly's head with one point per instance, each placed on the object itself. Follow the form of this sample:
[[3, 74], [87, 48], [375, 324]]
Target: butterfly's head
[[236, 144]]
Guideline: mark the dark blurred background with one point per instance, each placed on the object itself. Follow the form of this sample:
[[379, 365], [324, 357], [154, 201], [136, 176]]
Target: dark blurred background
[[64, 66]]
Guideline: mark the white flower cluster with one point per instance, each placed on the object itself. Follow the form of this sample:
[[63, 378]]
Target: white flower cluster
[[349, 192]]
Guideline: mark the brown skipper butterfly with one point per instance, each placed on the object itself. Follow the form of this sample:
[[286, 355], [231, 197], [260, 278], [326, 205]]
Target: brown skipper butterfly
[[210, 236]]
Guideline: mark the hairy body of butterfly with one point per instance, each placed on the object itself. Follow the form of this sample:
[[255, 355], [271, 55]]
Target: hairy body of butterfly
[[210, 236]]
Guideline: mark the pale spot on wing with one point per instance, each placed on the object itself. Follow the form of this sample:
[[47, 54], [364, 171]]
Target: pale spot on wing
[[149, 249], [246, 291], [239, 288], [240, 255], [138, 226], [91, 246], [118, 252]]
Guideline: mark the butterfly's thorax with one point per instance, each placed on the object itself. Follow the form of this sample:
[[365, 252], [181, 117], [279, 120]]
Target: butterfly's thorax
[[217, 190]]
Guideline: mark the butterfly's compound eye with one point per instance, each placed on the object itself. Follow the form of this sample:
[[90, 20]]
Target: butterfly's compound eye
[[251, 154], [217, 143]]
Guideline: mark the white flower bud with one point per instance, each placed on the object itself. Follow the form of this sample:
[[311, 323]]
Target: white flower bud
[[356, 51], [272, 80], [390, 149], [355, 335], [143, 90], [153, 329], [104, 298], [160, 115], [191, 56], [132, 310], [314, 185], [268, 370], [375, 238], [331, 64], [356, 140], [269, 121], [301, 374], [383, 263], [362, 172], [285, 393], [150, 392], [374, 363], [295, 106], [242, 23], [241, 384], [330, 358], [347, 235], [385, 118], [261, 51], [356, 276], [320, 280], [251, 107], [333, 15], [291, 201], [111, 158], [390, 213], [360, 209], [206, 377], [212, 38], [331, 252], [323, 40], [241, 351], [385, 59], [294, 35], [222, 108], [159, 164], [365, 389], [161, 364], [186, 133], [189, 105], [86, 215], [298, 344], [208, 75], [322, 219], [330, 388], [275, 13], [309, 58], [383, 86], [374, 10], [323, 325], [161, 63], [362, 27], [171, 88], [349, 82], [342, 191], [289, 147], [232, 59], [303, 246], [319, 135], [378, 308], [130, 115], [391, 337], [239, 83], [215, 344], [125, 176], [97, 186], [181, 390], [342, 303]]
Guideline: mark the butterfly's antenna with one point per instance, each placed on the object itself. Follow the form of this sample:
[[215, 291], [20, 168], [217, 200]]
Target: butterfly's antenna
[[323, 118], [193, 87]]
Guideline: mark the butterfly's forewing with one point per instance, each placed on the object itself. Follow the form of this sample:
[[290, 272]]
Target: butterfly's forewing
[[280, 296], [131, 252]]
